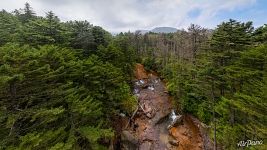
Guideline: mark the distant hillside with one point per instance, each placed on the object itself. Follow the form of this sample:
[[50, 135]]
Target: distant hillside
[[159, 30], [143, 31], [164, 30]]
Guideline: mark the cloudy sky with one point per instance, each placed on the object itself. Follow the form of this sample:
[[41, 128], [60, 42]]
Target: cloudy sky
[[124, 15]]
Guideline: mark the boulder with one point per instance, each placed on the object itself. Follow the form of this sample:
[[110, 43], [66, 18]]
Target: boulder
[[160, 117], [174, 142], [146, 146], [148, 111], [128, 141]]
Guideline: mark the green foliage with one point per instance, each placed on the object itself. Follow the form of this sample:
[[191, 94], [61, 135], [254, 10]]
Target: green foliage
[[101, 37], [52, 99], [9, 27], [128, 55], [242, 107], [150, 61], [61, 83], [26, 14], [224, 82], [43, 31], [246, 78], [81, 35], [260, 35]]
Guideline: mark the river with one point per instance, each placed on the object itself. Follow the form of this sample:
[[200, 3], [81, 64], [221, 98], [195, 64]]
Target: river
[[155, 125]]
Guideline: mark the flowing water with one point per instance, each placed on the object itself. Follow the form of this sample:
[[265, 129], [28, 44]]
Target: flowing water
[[155, 125]]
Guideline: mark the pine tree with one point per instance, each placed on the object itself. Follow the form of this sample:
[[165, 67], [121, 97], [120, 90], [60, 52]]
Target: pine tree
[[81, 35], [101, 37], [9, 28], [43, 31], [26, 14], [47, 103], [260, 35]]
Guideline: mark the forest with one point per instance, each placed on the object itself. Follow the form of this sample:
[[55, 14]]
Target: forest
[[64, 84]]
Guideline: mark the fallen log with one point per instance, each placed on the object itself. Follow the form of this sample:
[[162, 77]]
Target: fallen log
[[131, 117]]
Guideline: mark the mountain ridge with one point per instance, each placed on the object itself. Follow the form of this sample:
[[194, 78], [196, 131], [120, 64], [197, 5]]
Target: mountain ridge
[[159, 30]]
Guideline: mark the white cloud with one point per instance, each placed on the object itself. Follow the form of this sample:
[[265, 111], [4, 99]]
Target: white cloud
[[124, 15]]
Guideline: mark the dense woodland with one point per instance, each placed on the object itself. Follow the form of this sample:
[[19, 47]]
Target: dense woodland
[[62, 83], [218, 76]]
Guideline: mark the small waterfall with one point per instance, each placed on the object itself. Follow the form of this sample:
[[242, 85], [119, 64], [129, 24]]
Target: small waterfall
[[151, 88], [156, 81], [173, 116], [139, 82], [136, 91]]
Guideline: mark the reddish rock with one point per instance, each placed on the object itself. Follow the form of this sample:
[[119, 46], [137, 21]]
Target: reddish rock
[[153, 118], [140, 72]]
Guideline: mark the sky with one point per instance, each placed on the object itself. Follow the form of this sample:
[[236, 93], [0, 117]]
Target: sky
[[130, 15]]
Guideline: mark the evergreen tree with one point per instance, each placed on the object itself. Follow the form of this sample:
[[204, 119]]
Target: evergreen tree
[[101, 37], [247, 78], [81, 35], [49, 98], [43, 31], [260, 35], [9, 27], [26, 14]]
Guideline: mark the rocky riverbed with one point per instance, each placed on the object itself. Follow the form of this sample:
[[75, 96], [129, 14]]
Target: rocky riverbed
[[155, 125]]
